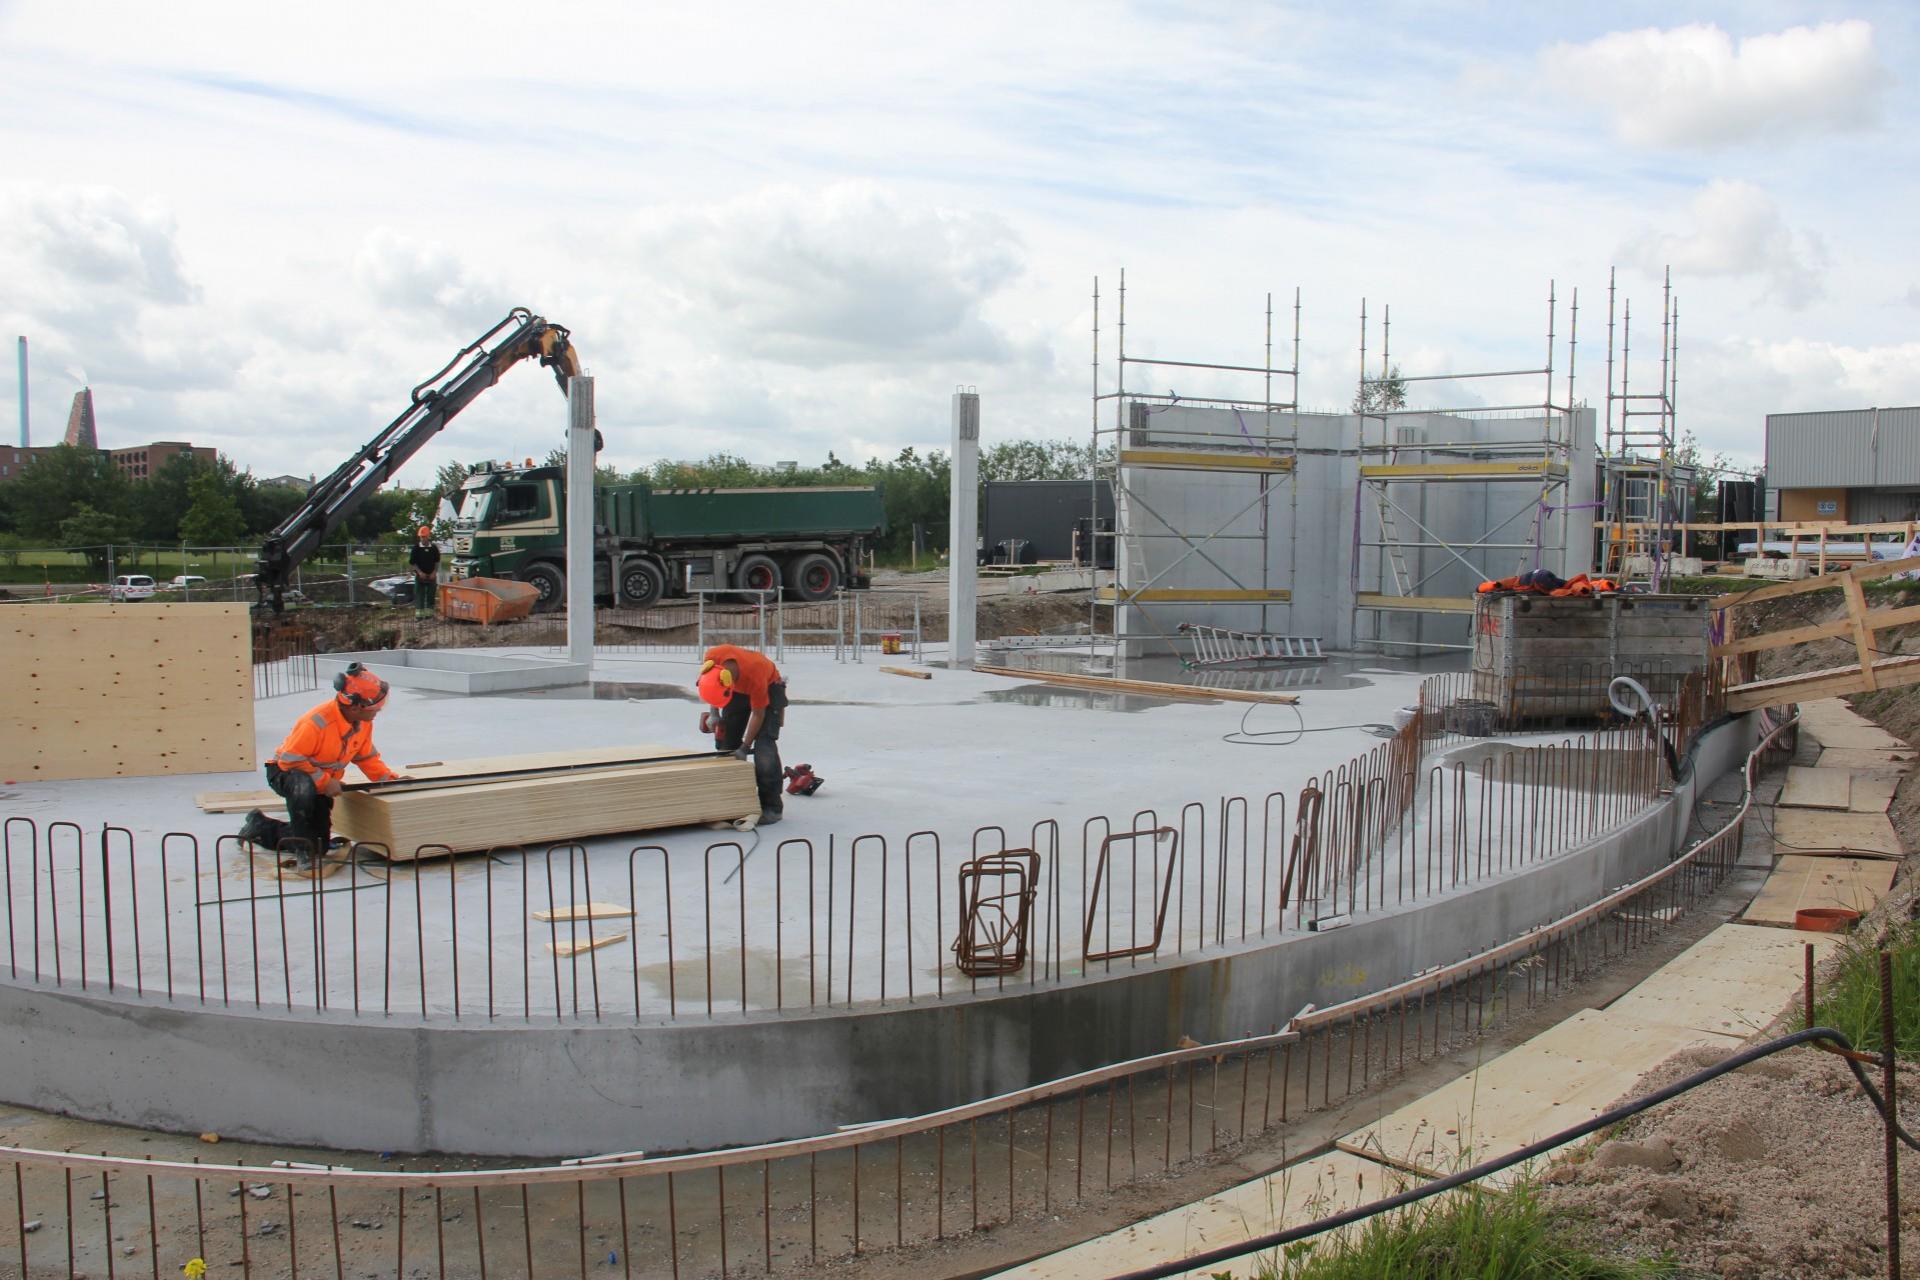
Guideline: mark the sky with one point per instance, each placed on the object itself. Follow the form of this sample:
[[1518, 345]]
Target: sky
[[782, 230]]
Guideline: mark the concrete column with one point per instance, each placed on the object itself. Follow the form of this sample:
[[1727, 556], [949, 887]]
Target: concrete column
[[580, 508], [963, 527]]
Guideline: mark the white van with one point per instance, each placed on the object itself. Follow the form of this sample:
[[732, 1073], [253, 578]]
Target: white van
[[131, 586]]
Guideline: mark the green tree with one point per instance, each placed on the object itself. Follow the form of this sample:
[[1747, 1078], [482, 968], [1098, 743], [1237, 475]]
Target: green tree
[[1382, 394], [214, 518], [58, 483], [264, 506], [93, 530]]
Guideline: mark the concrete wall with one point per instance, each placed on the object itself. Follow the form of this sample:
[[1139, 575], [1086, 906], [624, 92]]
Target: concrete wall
[[425, 1085]]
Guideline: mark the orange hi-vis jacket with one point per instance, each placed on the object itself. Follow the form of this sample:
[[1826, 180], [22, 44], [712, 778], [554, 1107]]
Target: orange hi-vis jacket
[[324, 744]]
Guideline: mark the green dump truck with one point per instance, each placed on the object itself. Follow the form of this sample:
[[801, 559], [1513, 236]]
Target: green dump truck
[[651, 544]]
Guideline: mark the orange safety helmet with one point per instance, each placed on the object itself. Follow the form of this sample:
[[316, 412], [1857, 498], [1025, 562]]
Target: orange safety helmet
[[715, 684], [359, 687], [425, 532]]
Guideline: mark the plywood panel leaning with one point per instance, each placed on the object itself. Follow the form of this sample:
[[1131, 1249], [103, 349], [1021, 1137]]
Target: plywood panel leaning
[[126, 691]]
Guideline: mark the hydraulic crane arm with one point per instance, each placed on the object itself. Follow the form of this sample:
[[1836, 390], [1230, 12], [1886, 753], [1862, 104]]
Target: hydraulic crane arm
[[433, 404]]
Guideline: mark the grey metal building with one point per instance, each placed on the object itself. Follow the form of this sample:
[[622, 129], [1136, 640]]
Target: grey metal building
[[1854, 466]]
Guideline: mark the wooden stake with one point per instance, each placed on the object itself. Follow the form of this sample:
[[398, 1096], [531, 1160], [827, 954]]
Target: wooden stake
[[909, 672]]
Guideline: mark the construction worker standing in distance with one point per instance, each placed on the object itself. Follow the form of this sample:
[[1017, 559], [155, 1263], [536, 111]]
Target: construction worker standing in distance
[[425, 559], [749, 701], [308, 768]]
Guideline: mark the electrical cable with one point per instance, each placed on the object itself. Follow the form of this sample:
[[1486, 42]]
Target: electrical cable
[[1245, 737], [1277, 1239]]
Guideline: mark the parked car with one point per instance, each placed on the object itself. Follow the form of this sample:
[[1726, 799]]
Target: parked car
[[131, 586], [394, 590], [186, 582]]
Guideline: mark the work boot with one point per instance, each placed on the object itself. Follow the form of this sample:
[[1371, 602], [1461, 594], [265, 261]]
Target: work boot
[[257, 829], [769, 816]]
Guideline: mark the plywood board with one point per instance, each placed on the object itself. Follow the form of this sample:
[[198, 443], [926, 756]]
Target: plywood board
[[241, 801], [125, 690], [581, 946], [1809, 830], [1319, 1187], [1861, 760], [587, 911], [1873, 793], [1568, 1073], [550, 809], [1817, 788], [1797, 883], [1835, 724], [1733, 982]]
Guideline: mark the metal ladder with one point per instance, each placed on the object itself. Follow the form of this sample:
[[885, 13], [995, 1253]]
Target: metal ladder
[[1217, 646]]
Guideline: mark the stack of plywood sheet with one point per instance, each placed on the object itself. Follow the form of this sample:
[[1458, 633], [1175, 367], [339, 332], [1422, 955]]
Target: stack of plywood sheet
[[536, 801], [131, 690]]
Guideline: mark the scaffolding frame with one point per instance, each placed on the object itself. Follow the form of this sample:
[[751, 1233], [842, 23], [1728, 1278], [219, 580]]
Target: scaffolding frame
[[1540, 468], [1639, 514], [1267, 457]]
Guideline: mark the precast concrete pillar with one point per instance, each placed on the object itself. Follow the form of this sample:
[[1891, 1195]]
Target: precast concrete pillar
[[963, 527]]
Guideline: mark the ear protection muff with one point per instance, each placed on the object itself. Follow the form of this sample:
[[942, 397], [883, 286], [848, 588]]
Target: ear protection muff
[[359, 687], [726, 676]]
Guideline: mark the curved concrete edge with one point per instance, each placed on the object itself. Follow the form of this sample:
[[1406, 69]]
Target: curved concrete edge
[[557, 1091]]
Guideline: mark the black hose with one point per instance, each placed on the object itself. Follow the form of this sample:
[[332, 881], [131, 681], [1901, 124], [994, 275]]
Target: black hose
[[1276, 1239]]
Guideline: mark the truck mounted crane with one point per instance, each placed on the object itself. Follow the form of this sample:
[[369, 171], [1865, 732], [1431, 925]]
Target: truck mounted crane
[[518, 336]]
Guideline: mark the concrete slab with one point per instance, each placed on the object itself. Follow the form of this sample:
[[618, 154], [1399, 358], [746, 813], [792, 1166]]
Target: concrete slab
[[1800, 882], [1308, 1189], [1568, 1073], [464, 671], [1732, 982], [1805, 830], [1817, 788]]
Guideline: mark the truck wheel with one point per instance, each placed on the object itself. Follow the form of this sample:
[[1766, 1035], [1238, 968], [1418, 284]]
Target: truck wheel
[[549, 582], [814, 577], [757, 573], [641, 583]]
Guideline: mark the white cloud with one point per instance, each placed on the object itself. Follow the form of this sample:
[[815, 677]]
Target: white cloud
[[1693, 86], [849, 273], [400, 272], [1735, 229]]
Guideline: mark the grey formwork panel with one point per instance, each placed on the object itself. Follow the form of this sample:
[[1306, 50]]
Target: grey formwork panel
[[1538, 657]]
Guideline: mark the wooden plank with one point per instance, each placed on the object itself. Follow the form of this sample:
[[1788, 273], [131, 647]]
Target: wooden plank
[[1204, 460], [1798, 882], [1521, 470], [1142, 688], [1568, 1073], [540, 811], [1817, 788], [1876, 620], [1732, 982], [1807, 830], [1414, 604], [1865, 573], [1316, 1187], [580, 946], [908, 672], [1872, 793], [1856, 618], [1884, 764], [127, 690], [1889, 673], [586, 911]]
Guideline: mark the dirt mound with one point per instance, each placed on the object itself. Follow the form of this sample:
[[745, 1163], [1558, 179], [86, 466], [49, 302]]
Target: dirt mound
[[1771, 1171]]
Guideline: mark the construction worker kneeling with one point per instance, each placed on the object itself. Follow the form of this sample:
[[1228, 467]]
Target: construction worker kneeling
[[749, 701], [308, 769]]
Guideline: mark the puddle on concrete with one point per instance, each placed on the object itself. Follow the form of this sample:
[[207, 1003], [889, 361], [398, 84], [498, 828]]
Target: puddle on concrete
[[610, 691], [1041, 695]]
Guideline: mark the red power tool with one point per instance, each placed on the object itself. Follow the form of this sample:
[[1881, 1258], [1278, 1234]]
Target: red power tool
[[802, 780]]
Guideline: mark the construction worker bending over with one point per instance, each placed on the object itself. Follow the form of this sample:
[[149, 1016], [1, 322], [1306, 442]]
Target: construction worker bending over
[[307, 769], [749, 701]]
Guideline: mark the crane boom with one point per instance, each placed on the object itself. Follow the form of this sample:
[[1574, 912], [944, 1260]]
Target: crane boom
[[432, 405]]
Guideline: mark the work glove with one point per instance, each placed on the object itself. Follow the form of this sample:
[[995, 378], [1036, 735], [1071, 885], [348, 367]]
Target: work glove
[[743, 752]]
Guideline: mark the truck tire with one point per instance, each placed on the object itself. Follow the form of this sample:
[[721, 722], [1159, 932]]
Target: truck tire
[[641, 583], [813, 577], [549, 581], [757, 573]]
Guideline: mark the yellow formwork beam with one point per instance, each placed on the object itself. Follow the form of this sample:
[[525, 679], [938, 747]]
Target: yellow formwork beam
[[1526, 469], [1198, 595], [1415, 604], [1204, 460]]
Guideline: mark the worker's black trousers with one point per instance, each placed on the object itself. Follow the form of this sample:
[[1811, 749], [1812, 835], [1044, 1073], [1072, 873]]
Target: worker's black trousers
[[768, 776], [309, 814]]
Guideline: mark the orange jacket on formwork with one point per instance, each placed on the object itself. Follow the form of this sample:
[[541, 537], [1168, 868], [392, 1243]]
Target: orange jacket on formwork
[[757, 672], [1582, 585], [324, 744]]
